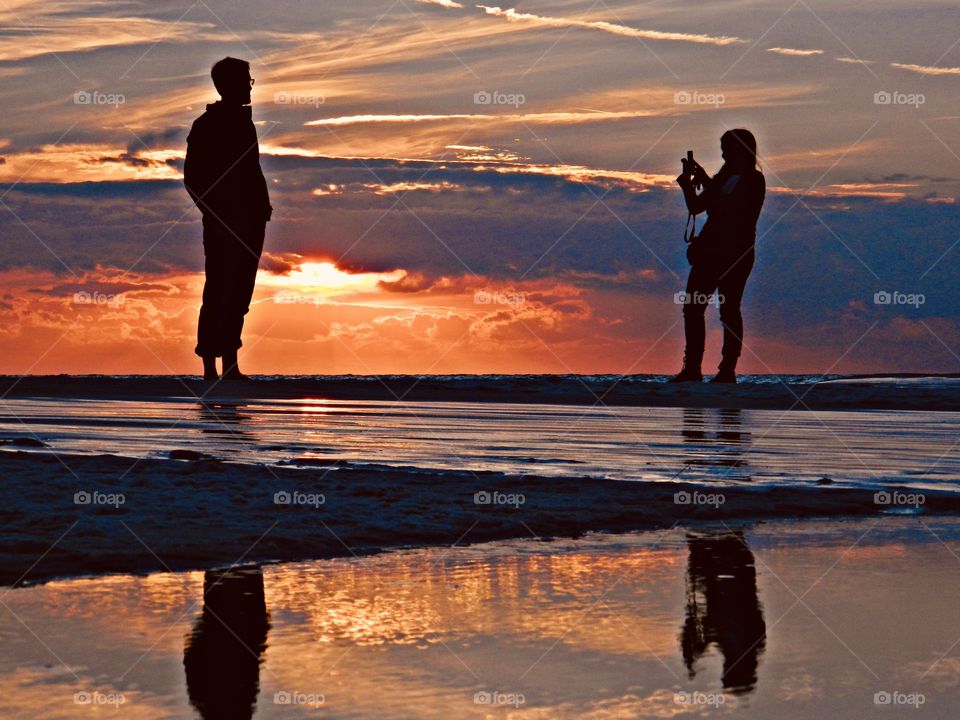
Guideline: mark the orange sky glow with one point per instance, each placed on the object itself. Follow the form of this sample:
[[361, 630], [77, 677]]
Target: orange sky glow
[[478, 189]]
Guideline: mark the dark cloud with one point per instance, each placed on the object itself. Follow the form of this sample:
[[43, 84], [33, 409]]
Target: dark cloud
[[158, 139], [278, 264], [409, 283], [106, 287], [819, 263], [129, 159], [906, 177]]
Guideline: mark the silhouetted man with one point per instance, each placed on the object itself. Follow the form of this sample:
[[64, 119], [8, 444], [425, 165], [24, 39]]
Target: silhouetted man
[[223, 653], [222, 174]]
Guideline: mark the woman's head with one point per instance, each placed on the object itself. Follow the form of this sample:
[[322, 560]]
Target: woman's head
[[739, 149]]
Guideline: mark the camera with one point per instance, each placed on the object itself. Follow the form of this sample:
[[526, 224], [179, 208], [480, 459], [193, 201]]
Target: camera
[[690, 167]]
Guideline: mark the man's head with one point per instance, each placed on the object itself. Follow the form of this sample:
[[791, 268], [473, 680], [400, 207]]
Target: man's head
[[231, 77]]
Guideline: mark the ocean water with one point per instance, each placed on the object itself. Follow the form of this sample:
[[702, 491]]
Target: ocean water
[[644, 444]]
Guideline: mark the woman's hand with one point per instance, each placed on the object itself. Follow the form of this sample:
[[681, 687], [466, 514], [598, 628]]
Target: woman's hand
[[685, 178], [692, 175], [700, 176]]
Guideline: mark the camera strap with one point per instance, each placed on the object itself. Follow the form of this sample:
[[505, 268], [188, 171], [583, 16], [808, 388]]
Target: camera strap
[[690, 230]]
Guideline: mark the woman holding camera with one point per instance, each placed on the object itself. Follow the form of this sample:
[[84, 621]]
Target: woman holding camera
[[722, 255]]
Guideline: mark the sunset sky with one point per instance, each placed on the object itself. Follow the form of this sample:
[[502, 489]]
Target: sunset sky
[[463, 187]]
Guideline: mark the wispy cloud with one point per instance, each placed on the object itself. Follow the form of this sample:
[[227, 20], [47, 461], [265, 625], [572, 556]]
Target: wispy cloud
[[36, 35], [614, 28], [927, 69], [73, 162], [794, 52], [416, 186], [441, 3], [883, 190], [483, 153], [544, 117]]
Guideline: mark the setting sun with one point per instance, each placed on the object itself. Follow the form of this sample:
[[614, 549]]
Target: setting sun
[[326, 279]]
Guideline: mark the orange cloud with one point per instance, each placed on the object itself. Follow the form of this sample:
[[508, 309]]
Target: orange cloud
[[927, 69], [623, 30]]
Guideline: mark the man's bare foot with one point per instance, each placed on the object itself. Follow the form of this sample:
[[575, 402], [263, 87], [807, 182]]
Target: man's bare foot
[[210, 369], [231, 370]]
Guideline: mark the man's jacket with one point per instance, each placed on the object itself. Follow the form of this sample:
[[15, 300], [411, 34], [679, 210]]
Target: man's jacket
[[222, 169]]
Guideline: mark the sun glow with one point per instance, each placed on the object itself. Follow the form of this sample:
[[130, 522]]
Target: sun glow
[[325, 278]]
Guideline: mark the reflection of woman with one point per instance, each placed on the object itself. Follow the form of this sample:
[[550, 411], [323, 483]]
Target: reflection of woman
[[723, 608], [222, 657], [721, 256]]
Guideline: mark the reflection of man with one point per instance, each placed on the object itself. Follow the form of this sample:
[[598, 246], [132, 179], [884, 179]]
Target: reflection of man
[[222, 657], [226, 423], [723, 608], [222, 174], [712, 450]]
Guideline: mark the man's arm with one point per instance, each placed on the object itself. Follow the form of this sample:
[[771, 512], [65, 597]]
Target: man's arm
[[196, 166], [265, 194], [261, 182]]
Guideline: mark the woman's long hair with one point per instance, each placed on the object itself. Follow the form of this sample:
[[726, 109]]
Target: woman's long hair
[[743, 146]]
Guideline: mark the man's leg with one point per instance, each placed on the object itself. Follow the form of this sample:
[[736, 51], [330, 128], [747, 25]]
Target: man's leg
[[214, 289], [243, 263]]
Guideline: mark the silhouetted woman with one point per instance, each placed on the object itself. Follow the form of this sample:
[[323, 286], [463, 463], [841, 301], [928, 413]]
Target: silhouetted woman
[[722, 255], [723, 608]]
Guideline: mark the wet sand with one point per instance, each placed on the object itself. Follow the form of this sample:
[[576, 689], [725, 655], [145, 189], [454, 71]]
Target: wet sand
[[100, 486], [155, 515], [904, 392]]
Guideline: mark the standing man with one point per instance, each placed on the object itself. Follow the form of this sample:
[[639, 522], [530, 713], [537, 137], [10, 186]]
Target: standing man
[[223, 176]]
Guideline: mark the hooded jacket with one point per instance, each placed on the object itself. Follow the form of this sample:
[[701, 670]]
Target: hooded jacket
[[222, 169]]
